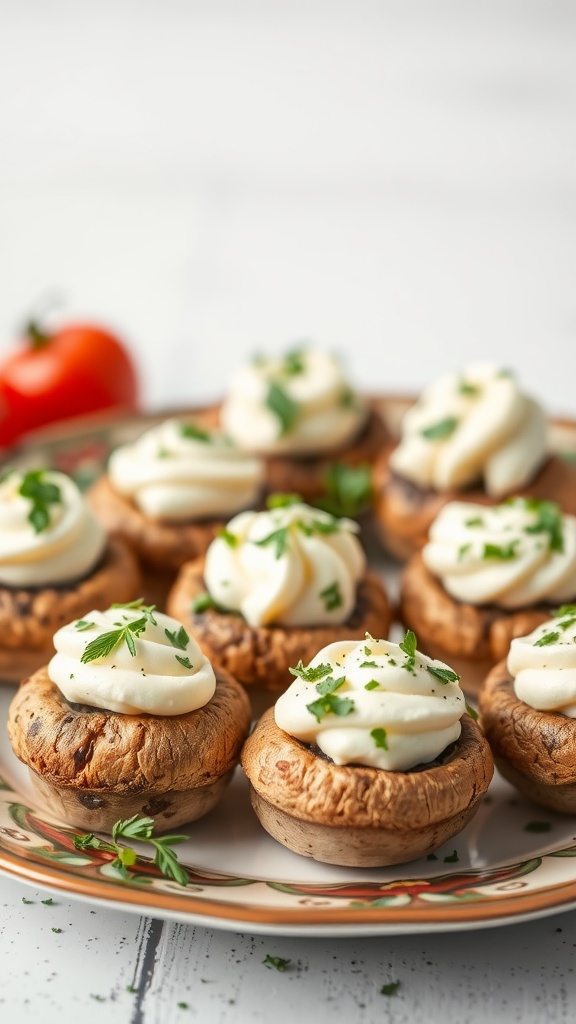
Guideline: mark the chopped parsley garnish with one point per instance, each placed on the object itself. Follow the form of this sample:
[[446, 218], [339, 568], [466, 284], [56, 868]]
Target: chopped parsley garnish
[[282, 406], [440, 430], [279, 963], [325, 526], [125, 857], [390, 989], [183, 661], [312, 674], [368, 664], [203, 602], [83, 624], [445, 675], [194, 433], [279, 538], [138, 605], [47, 902], [178, 639], [332, 597], [472, 712], [408, 646], [104, 644], [548, 520], [229, 538], [372, 685], [294, 362], [465, 388], [347, 398], [57, 930], [347, 490], [564, 611], [41, 493], [501, 552], [474, 521], [538, 826], [463, 550], [548, 639], [328, 701], [379, 737], [279, 500], [453, 858]]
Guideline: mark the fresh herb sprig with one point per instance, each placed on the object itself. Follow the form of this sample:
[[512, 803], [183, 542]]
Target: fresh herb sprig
[[329, 702], [408, 645], [125, 857], [41, 493], [284, 408], [441, 430], [347, 490], [103, 645]]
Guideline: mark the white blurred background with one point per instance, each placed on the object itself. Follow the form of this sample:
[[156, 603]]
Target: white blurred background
[[395, 180]]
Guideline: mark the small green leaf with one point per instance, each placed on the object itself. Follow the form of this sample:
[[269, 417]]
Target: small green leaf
[[279, 963], [440, 430], [282, 500], [229, 538], [178, 639], [547, 639], [390, 989], [372, 685], [282, 406], [194, 433], [332, 597], [185, 662], [202, 603], [500, 552], [379, 737], [310, 675], [279, 538], [445, 675]]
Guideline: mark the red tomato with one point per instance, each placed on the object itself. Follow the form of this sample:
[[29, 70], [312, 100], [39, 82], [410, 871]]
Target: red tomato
[[70, 372]]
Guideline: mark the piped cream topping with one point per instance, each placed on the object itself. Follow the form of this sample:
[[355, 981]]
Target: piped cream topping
[[48, 535], [374, 703], [131, 659], [544, 664], [178, 471], [513, 555], [301, 404], [291, 565], [469, 428]]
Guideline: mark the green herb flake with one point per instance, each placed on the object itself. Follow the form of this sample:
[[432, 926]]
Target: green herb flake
[[368, 664], [472, 712], [293, 363], [463, 551], [431, 856], [474, 521], [104, 644], [48, 902], [547, 639], [445, 675], [41, 493], [347, 490], [282, 406], [379, 737], [548, 520], [184, 661], [229, 538], [182, 1006], [192, 432], [453, 858], [332, 597], [83, 624], [279, 963], [408, 645], [179, 639], [538, 826], [441, 430], [279, 538], [202, 603], [500, 552], [24, 900], [390, 989], [57, 930], [310, 675], [465, 388], [330, 704], [282, 500], [372, 685]]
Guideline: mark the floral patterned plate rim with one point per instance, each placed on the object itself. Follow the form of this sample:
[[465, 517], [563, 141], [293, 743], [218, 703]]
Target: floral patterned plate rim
[[512, 863]]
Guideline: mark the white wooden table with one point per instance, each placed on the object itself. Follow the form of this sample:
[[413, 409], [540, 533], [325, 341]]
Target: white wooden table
[[395, 180]]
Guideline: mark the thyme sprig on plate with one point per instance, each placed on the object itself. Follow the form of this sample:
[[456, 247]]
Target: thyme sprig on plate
[[125, 857]]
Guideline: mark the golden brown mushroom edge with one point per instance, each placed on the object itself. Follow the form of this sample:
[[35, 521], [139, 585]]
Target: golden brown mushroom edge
[[533, 750], [91, 767], [358, 816]]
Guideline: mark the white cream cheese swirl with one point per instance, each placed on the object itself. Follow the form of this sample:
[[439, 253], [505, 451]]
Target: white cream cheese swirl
[[155, 667], [292, 566], [473, 427], [299, 405], [179, 471], [46, 542], [543, 665], [512, 555], [388, 709]]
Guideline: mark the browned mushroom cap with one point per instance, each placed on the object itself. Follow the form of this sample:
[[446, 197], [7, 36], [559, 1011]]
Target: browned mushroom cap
[[93, 767], [359, 816], [405, 512], [534, 750], [261, 656], [469, 638], [163, 545], [29, 618], [306, 475]]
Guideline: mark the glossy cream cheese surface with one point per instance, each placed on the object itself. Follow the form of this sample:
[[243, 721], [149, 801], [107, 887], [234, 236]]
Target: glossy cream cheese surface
[[372, 703], [543, 664], [513, 555], [48, 535], [301, 404], [180, 471], [131, 659], [473, 427], [292, 566]]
